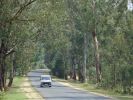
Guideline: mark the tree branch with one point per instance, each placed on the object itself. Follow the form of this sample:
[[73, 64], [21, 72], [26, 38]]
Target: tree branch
[[25, 19], [10, 51], [17, 14]]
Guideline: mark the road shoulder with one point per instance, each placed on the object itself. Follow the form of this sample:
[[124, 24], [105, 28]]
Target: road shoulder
[[67, 83], [29, 91]]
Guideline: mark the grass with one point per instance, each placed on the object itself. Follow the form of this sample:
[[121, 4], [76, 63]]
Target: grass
[[15, 92], [108, 92], [94, 88]]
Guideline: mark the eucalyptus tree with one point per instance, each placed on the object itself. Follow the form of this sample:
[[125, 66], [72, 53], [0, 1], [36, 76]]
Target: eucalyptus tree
[[10, 10], [94, 37], [89, 38], [52, 32], [113, 28]]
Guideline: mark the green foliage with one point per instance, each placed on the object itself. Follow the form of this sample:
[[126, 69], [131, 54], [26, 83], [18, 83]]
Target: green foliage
[[54, 32]]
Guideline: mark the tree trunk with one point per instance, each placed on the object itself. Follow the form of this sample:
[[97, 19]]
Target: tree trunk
[[11, 77], [2, 66], [3, 74], [74, 73], [2, 77], [12, 71], [79, 70], [10, 81], [66, 75], [97, 59], [81, 76], [114, 75], [73, 68], [85, 59], [65, 70]]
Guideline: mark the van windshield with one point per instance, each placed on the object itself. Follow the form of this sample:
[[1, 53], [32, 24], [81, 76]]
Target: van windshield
[[45, 78]]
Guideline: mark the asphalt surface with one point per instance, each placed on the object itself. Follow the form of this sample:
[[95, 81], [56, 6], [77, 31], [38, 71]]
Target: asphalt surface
[[60, 92]]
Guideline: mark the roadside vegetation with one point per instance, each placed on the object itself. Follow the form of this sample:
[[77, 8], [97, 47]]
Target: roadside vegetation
[[15, 93], [92, 88], [90, 41]]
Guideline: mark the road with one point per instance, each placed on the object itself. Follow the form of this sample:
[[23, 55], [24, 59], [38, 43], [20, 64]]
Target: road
[[61, 92]]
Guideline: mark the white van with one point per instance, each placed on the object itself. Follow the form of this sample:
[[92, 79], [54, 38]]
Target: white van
[[45, 80]]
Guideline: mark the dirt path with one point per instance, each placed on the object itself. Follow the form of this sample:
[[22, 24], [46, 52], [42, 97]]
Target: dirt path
[[29, 91]]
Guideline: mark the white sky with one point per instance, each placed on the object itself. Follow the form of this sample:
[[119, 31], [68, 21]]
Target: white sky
[[130, 5]]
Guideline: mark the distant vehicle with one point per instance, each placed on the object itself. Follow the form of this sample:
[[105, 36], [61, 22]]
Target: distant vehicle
[[45, 80]]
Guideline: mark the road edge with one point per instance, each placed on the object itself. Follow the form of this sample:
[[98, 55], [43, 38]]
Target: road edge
[[81, 89], [28, 84]]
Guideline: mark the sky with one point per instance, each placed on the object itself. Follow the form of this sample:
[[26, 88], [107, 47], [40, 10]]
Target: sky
[[130, 5]]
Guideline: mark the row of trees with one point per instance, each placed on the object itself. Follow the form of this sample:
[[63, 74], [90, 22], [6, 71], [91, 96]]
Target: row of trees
[[88, 40], [15, 44]]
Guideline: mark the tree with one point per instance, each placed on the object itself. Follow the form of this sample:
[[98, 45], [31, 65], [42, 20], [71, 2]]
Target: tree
[[7, 20]]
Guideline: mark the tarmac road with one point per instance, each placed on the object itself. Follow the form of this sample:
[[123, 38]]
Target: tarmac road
[[59, 91]]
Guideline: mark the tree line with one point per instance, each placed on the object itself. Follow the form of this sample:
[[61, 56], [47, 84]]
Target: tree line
[[89, 41], [85, 40], [14, 40]]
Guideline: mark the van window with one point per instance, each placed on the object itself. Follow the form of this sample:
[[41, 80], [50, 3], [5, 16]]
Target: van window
[[45, 78]]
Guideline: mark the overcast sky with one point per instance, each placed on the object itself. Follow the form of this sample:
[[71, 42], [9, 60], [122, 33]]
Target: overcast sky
[[130, 5]]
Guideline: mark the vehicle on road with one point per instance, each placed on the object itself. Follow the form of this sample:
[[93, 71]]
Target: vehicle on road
[[45, 80]]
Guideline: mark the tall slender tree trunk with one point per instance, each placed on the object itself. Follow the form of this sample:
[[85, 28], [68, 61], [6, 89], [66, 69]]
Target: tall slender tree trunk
[[3, 74], [65, 67], [85, 58], [2, 66], [1, 86], [114, 76], [1, 80], [11, 77], [80, 78], [12, 71], [73, 69], [97, 59]]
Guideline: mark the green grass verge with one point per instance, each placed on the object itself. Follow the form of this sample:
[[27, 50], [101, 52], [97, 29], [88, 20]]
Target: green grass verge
[[15, 92], [93, 88]]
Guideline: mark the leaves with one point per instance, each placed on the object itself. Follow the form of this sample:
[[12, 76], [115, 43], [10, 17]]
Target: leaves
[[55, 34]]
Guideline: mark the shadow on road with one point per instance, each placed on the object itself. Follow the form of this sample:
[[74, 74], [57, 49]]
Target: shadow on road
[[76, 92], [25, 86], [58, 86]]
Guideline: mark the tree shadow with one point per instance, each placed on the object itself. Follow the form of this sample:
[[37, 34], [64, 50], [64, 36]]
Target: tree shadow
[[28, 86]]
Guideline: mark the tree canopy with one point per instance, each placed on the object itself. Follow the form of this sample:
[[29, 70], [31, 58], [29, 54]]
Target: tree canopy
[[85, 40]]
